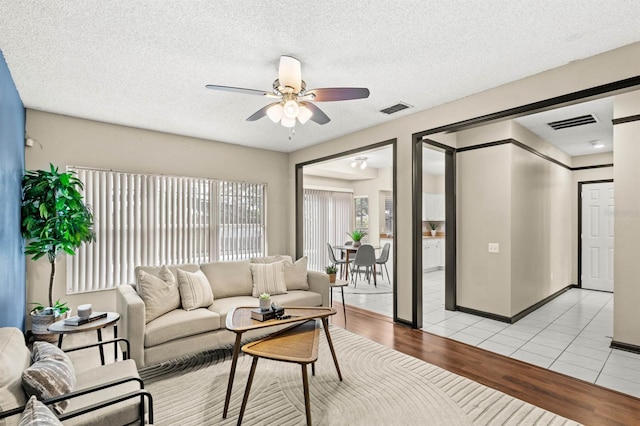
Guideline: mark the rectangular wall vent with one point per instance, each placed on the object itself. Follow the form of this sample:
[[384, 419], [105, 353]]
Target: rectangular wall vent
[[395, 108], [573, 122]]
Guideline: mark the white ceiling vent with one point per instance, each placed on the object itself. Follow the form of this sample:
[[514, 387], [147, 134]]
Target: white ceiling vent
[[573, 122], [395, 108]]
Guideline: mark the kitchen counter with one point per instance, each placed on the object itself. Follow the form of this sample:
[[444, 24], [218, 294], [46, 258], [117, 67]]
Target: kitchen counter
[[437, 236]]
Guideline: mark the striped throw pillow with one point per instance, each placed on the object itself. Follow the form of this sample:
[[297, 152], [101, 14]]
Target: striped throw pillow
[[36, 413], [195, 290], [268, 278]]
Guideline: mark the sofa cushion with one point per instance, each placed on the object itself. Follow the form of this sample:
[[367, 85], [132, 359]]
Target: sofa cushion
[[180, 323], [122, 413], [298, 298], [195, 290], [36, 413], [229, 278], [14, 359], [155, 270], [51, 374], [268, 278], [295, 274], [160, 294]]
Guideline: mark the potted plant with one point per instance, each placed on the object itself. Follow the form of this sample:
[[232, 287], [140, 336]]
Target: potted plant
[[331, 270], [433, 226], [54, 220], [265, 301], [356, 236]]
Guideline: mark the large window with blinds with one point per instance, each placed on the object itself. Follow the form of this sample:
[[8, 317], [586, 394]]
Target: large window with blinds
[[328, 216], [155, 220]]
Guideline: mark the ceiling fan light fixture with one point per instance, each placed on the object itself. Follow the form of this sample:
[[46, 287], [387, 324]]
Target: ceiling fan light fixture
[[304, 114], [288, 122], [291, 109], [275, 113]]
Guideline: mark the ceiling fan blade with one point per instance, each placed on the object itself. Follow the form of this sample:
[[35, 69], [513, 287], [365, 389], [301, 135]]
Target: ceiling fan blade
[[238, 90], [339, 93], [318, 115], [261, 112], [289, 73]]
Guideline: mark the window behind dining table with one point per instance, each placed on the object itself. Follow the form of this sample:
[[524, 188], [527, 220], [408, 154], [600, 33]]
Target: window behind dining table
[[328, 217], [361, 208]]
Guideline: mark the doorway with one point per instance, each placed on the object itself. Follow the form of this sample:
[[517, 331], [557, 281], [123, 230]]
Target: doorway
[[596, 231]]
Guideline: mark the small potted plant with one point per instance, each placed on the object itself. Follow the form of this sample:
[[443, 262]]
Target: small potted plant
[[357, 236], [265, 301], [331, 270], [433, 226]]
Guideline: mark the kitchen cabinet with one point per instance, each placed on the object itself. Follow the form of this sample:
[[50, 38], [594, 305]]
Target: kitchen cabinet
[[433, 207], [432, 254]]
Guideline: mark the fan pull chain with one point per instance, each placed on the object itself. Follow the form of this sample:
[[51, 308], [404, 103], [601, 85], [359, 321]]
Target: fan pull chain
[[292, 132]]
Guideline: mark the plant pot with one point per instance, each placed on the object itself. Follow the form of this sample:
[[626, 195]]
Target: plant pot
[[332, 278], [433, 232], [356, 244], [265, 304], [40, 325]]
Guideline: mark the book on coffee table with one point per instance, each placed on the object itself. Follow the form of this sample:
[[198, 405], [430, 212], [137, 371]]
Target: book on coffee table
[[83, 320], [260, 315]]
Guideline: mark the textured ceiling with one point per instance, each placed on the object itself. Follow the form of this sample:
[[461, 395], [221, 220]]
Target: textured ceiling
[[145, 63]]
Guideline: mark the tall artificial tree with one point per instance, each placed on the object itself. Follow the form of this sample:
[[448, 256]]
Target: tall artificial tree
[[54, 217]]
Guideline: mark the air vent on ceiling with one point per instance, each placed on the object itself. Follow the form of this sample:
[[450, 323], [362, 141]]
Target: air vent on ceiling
[[573, 122], [395, 108]]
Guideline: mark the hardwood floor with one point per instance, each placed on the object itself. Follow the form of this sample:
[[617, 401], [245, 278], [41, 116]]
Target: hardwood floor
[[574, 399]]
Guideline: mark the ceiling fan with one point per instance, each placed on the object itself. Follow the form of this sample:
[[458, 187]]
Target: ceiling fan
[[293, 98]]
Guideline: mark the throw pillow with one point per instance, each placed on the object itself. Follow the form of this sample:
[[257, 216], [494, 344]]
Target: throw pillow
[[160, 294], [51, 374], [36, 413], [271, 259], [268, 278], [295, 274], [195, 290]]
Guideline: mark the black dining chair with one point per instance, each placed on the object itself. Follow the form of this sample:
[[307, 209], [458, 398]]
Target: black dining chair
[[365, 257], [383, 259], [334, 261]]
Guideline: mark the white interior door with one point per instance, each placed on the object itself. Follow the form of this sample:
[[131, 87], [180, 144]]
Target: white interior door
[[597, 236]]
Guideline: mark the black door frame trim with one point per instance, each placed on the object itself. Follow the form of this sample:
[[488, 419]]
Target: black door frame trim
[[533, 107], [586, 182], [299, 205]]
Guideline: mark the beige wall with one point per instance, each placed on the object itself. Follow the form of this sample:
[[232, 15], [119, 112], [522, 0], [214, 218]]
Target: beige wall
[[607, 67], [626, 174], [484, 216], [63, 141]]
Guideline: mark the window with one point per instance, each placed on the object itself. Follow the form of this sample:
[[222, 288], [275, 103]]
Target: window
[[155, 220], [388, 214], [327, 219], [362, 213]]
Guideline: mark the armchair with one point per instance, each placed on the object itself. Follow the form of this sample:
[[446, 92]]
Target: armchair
[[105, 395]]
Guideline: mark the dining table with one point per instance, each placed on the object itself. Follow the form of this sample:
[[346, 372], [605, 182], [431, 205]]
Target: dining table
[[345, 250]]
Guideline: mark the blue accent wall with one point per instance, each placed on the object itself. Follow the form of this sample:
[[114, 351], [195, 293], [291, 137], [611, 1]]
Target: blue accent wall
[[13, 285]]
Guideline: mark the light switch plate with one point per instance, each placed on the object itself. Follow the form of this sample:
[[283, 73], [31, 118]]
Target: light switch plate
[[494, 248]]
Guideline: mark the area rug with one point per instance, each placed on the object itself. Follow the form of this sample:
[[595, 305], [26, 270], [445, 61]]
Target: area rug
[[380, 387], [363, 287]]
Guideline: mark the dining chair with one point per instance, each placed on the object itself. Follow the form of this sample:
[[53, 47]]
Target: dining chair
[[334, 261], [383, 259], [366, 257]]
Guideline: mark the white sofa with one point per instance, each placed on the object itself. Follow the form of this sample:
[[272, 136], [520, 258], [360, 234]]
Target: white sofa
[[181, 332]]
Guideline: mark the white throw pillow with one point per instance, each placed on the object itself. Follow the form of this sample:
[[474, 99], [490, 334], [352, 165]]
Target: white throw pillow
[[160, 294], [195, 290], [295, 275], [268, 278]]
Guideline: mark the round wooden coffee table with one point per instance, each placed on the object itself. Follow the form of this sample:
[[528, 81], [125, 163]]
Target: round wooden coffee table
[[112, 318]]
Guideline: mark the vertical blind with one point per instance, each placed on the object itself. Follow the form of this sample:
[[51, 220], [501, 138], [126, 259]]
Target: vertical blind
[[328, 216], [155, 220]]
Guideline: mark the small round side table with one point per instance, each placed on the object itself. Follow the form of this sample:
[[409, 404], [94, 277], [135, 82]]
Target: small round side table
[[341, 284], [112, 318]]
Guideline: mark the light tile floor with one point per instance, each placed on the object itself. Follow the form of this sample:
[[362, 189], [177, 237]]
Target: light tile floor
[[571, 334]]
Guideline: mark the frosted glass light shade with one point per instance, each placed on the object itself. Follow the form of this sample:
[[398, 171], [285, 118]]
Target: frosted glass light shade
[[304, 114], [275, 113], [288, 122], [291, 109]]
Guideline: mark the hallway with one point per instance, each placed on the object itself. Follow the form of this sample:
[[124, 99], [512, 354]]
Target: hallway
[[570, 335]]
